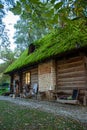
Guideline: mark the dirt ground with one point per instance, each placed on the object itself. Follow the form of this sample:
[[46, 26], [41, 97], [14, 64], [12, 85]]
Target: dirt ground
[[76, 112]]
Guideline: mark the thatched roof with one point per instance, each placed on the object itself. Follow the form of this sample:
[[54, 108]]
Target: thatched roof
[[55, 43]]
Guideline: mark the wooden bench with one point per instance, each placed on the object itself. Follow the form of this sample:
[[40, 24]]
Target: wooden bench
[[60, 91]]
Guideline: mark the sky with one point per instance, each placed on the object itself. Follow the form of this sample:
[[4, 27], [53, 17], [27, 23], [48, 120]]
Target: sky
[[10, 19]]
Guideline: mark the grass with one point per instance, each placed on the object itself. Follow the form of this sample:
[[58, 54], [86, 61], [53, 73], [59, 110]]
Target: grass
[[14, 117]]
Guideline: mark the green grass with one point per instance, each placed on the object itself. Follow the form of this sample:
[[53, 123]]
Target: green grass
[[14, 117]]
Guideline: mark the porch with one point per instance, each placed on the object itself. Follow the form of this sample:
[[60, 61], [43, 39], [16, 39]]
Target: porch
[[75, 95]]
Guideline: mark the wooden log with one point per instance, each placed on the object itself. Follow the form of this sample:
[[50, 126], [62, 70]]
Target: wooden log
[[69, 65], [72, 74], [85, 98], [73, 59], [82, 78], [68, 101], [72, 69], [71, 83]]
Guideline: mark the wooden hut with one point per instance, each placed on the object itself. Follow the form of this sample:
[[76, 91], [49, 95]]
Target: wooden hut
[[57, 64]]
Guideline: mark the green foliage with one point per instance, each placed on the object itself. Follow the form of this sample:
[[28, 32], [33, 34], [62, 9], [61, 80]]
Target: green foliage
[[8, 57], [58, 5], [1, 6], [57, 42], [3, 91], [3, 78], [26, 33], [4, 87], [80, 9], [38, 17], [17, 9], [37, 8], [52, 1]]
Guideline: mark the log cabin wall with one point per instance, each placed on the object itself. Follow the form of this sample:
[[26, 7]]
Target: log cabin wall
[[20, 81], [16, 76], [33, 76], [23, 78], [47, 76], [71, 73]]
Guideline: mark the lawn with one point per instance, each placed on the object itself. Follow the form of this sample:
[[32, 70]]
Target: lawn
[[14, 117]]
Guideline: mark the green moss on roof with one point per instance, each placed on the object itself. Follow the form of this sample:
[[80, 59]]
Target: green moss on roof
[[59, 41]]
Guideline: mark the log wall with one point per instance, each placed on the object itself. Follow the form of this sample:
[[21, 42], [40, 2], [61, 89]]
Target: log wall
[[71, 73], [34, 76]]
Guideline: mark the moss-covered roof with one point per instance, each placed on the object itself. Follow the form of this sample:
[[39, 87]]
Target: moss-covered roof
[[59, 41]]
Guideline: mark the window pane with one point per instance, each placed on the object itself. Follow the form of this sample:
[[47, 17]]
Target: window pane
[[27, 80]]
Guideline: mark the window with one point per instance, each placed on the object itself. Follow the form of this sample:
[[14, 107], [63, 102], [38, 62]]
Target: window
[[27, 80]]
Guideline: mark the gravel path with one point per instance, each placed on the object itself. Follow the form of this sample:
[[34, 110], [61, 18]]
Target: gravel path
[[73, 111]]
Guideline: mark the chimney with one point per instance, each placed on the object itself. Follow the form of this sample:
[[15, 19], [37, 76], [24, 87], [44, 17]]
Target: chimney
[[31, 48]]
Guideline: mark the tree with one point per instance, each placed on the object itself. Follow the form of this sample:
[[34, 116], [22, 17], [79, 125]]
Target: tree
[[27, 33], [3, 78], [8, 56], [80, 8], [48, 11], [38, 17], [33, 20], [4, 6], [5, 53]]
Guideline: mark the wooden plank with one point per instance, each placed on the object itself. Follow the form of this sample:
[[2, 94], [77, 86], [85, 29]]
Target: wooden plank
[[69, 65], [34, 71], [82, 78], [74, 85], [68, 101], [73, 59], [34, 76], [72, 69], [71, 74], [71, 88], [71, 83]]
